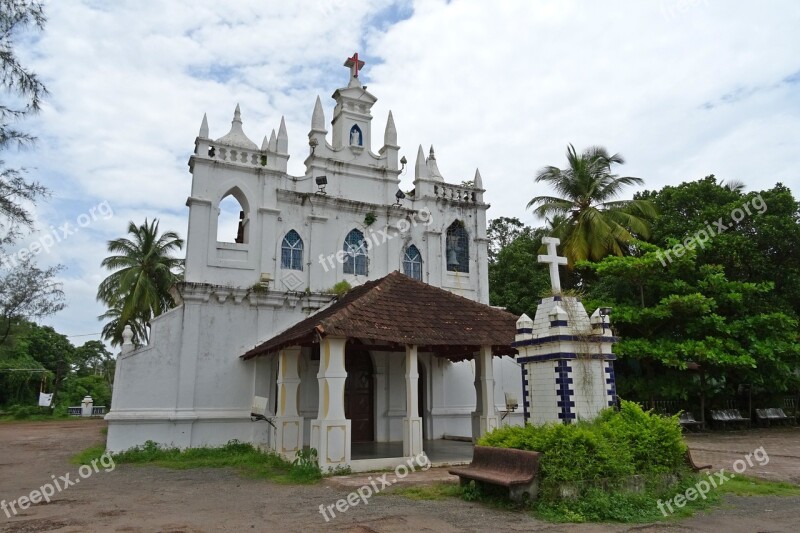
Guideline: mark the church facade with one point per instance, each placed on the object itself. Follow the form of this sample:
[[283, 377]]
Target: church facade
[[345, 220]]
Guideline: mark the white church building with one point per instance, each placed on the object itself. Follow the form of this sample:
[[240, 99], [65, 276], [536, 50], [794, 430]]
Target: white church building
[[345, 220]]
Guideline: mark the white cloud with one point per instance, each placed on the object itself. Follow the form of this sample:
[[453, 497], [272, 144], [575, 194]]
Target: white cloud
[[681, 89]]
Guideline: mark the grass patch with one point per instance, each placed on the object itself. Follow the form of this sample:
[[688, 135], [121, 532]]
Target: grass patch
[[85, 457], [625, 506], [438, 491], [244, 458], [749, 486]]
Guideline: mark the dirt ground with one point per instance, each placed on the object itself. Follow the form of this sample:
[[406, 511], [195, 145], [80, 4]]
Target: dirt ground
[[135, 499]]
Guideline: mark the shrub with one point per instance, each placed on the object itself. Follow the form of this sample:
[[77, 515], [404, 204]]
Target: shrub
[[603, 453]]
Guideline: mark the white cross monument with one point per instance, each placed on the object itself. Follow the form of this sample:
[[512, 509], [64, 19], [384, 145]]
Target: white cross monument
[[553, 260]]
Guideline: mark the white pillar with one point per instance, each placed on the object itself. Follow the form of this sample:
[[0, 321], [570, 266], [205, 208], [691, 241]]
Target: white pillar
[[330, 432], [412, 422], [86, 406], [484, 418], [288, 423]]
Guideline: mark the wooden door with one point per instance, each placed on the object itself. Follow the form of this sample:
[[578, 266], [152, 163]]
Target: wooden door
[[359, 395]]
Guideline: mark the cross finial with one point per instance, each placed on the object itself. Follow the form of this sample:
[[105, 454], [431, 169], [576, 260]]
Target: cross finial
[[553, 260], [355, 65]]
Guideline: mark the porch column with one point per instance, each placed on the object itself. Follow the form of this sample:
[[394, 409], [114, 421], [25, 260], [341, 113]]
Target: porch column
[[288, 424], [330, 432], [484, 419], [412, 422]]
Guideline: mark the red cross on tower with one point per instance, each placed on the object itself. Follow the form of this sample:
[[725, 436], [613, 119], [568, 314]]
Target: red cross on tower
[[355, 65]]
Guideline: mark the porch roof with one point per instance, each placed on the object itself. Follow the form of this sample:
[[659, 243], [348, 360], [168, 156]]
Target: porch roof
[[395, 311]]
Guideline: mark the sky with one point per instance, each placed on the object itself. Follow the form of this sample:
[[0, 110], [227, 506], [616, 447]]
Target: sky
[[681, 88]]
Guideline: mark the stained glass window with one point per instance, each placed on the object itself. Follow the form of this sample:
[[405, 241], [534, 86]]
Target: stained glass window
[[355, 249], [292, 251], [412, 263]]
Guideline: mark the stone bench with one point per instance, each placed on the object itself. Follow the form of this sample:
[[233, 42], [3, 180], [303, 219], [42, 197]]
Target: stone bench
[[506, 467], [727, 416], [773, 414]]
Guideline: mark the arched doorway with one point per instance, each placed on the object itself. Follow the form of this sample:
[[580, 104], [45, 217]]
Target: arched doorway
[[359, 394]]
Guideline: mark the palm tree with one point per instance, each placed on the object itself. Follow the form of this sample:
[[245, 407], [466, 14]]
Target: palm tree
[[584, 215], [143, 271]]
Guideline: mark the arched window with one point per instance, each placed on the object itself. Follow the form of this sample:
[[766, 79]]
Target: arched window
[[232, 222], [457, 248], [355, 250], [292, 251], [412, 263]]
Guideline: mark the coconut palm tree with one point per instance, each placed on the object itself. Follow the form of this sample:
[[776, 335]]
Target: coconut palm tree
[[585, 215], [143, 271]]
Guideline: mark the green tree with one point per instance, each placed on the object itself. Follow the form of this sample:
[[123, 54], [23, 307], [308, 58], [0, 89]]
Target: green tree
[[501, 232], [686, 313], [22, 95], [589, 221], [516, 280], [143, 271], [762, 245]]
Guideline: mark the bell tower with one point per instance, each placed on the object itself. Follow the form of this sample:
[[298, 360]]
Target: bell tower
[[352, 116]]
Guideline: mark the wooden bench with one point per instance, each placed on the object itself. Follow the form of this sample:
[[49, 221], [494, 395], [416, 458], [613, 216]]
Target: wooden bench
[[694, 466], [773, 414], [506, 467], [727, 416]]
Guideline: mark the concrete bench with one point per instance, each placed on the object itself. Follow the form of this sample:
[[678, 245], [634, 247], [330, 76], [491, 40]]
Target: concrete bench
[[506, 467], [727, 416], [773, 414], [670, 407], [688, 421]]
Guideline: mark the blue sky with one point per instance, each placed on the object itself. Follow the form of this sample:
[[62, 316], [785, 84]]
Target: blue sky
[[682, 88]]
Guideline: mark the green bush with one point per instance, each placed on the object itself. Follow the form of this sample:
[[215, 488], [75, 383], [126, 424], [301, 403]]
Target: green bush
[[655, 441], [604, 453], [75, 388]]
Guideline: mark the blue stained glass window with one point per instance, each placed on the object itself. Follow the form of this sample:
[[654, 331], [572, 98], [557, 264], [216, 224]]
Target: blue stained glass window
[[292, 251], [355, 250], [412, 263]]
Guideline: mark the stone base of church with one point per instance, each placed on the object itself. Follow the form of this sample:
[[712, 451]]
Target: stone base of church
[[174, 429]]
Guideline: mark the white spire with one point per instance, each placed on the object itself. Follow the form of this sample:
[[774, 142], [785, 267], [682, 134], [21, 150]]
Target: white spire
[[433, 168], [318, 117], [478, 182], [236, 136], [203, 128], [283, 138], [273, 141], [264, 144], [420, 168], [390, 135]]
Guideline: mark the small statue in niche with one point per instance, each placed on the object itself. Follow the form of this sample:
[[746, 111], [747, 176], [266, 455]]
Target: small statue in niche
[[355, 136]]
